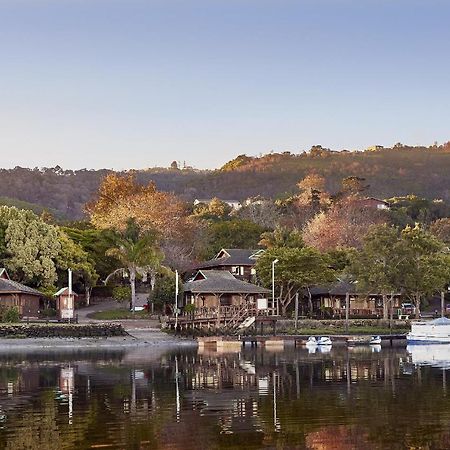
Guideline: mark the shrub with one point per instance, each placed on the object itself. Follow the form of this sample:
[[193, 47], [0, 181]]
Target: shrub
[[11, 315], [122, 293], [49, 312]]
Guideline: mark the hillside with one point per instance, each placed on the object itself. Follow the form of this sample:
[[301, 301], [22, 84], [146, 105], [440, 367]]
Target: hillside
[[389, 172]]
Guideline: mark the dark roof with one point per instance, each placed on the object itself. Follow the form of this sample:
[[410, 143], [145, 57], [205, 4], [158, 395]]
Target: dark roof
[[231, 257], [338, 288], [221, 281], [13, 287]]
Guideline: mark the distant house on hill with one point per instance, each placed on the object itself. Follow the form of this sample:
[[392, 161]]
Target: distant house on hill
[[376, 203], [14, 294], [238, 261], [214, 288], [234, 204]]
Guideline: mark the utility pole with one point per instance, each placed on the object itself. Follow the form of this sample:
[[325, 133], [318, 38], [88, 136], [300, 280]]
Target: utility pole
[[176, 300]]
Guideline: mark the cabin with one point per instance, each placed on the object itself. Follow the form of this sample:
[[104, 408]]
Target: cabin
[[65, 303], [329, 301], [14, 294], [233, 204], [239, 262], [372, 203]]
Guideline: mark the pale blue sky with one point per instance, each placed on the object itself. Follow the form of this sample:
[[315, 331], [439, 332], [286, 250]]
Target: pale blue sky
[[139, 83]]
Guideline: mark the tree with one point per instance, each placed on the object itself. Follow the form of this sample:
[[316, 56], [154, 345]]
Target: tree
[[215, 209], [95, 243], [282, 237], [120, 199], [298, 269], [72, 256], [313, 192], [263, 212], [428, 265], [232, 234], [344, 225], [441, 229], [28, 246], [354, 185], [138, 252], [380, 264]]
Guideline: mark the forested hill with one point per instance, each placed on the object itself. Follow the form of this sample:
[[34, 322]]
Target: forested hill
[[424, 171]]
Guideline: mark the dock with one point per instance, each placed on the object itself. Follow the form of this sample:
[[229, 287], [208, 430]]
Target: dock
[[281, 341]]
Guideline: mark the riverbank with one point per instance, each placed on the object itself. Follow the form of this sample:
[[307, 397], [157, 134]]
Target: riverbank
[[92, 336]]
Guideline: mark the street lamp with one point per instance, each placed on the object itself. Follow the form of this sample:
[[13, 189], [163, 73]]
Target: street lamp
[[273, 285]]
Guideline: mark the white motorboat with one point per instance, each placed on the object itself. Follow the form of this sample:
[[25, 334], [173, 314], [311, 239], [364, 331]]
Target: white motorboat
[[311, 342], [435, 331], [324, 340], [319, 341], [375, 340]]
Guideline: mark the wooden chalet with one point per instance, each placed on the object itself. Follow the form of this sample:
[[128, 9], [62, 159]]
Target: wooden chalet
[[329, 301], [14, 294], [239, 262], [222, 300]]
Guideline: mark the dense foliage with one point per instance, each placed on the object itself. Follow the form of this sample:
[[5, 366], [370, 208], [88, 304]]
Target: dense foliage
[[402, 170]]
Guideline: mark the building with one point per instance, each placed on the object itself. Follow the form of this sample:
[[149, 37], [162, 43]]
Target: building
[[65, 303], [14, 294], [234, 204], [329, 301], [238, 261], [375, 203], [216, 288]]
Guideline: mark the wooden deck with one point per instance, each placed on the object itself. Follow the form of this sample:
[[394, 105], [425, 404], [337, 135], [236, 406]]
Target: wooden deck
[[225, 318]]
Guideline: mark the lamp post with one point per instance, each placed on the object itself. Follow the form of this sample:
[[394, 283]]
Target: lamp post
[[273, 285]]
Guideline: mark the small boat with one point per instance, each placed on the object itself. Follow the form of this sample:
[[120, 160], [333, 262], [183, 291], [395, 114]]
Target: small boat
[[375, 340], [435, 331], [311, 342], [324, 340]]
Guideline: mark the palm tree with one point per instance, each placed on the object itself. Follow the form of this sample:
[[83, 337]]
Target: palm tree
[[137, 252]]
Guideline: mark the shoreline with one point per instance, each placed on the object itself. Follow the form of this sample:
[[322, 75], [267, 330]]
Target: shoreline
[[139, 338]]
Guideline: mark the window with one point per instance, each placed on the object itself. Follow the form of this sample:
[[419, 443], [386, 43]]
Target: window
[[235, 270]]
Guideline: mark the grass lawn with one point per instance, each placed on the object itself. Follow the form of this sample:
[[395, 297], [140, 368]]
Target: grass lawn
[[352, 330], [118, 314]]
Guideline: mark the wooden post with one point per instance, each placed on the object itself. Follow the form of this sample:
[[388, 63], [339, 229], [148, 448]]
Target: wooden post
[[296, 311], [347, 310]]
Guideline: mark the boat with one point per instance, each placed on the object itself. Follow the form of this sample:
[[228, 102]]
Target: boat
[[435, 331], [324, 340], [311, 342], [375, 340], [319, 341]]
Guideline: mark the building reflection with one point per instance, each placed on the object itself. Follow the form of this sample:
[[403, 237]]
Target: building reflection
[[252, 398]]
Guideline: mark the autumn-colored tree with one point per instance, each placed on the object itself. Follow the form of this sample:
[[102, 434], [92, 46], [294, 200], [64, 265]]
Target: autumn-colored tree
[[344, 225], [441, 229], [313, 191], [120, 199]]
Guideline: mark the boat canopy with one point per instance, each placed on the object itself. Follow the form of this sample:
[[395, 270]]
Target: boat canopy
[[440, 321]]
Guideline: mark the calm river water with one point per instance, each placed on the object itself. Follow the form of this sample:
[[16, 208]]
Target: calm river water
[[184, 399]]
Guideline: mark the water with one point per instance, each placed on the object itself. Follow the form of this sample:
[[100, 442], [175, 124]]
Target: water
[[180, 399]]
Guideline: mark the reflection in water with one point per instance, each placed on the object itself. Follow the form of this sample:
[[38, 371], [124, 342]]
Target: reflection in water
[[359, 398]]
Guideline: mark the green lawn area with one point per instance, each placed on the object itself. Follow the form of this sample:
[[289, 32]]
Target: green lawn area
[[118, 314]]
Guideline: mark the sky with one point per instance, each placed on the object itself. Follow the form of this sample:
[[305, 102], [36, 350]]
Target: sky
[[140, 83]]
